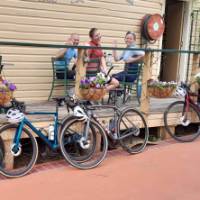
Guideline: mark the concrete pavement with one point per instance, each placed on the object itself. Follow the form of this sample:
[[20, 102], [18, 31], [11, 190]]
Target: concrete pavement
[[169, 171]]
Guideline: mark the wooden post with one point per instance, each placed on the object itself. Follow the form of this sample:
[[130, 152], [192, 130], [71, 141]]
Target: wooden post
[[163, 134], [195, 70], [146, 76], [80, 71], [195, 64], [9, 158]]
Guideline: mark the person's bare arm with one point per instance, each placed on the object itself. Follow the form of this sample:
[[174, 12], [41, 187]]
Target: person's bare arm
[[87, 50], [103, 65], [61, 53], [115, 56], [135, 59]]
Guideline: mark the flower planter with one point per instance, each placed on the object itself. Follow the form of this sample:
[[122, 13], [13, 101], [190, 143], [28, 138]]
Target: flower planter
[[6, 91], [92, 94], [5, 97], [93, 88], [160, 92], [161, 89]]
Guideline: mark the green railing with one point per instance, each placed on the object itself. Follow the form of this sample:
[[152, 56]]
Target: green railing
[[80, 64], [42, 45]]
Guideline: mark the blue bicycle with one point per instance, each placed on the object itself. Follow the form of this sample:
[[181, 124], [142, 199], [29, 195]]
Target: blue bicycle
[[19, 148]]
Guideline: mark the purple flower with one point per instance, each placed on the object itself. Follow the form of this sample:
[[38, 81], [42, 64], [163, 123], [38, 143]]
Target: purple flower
[[92, 79], [82, 82], [12, 87], [98, 85], [5, 82], [87, 81]]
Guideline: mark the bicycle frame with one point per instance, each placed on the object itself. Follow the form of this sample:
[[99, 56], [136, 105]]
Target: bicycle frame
[[52, 144], [117, 113], [188, 100]]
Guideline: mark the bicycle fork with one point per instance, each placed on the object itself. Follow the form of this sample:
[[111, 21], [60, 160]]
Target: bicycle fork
[[16, 146], [83, 141]]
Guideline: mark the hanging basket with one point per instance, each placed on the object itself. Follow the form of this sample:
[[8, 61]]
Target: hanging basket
[[6, 94], [92, 94], [5, 97], [161, 92]]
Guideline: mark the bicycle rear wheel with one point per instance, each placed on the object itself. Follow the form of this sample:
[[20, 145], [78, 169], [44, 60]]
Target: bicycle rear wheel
[[17, 161], [86, 157], [186, 120], [132, 131]]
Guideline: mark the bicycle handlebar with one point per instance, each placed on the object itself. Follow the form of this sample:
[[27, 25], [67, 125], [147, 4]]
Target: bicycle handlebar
[[109, 71], [185, 86]]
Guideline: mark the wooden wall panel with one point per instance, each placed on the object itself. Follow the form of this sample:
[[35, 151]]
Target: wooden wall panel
[[40, 22]]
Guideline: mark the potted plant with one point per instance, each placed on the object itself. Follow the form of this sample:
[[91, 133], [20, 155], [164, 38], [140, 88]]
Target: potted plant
[[161, 89], [93, 88], [6, 91]]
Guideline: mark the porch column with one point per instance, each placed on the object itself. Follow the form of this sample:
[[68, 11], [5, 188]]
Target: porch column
[[146, 76], [195, 70], [80, 72]]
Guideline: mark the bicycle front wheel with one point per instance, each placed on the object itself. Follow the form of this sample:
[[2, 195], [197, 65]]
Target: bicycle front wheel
[[182, 121], [81, 152], [16, 161], [132, 131]]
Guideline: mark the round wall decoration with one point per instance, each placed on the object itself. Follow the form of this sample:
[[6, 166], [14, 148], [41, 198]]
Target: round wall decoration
[[153, 27]]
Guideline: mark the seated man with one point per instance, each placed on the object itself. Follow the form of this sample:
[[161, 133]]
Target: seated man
[[130, 58], [68, 54]]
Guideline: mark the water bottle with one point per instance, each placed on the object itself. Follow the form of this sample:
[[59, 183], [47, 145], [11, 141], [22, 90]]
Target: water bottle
[[139, 88], [51, 132]]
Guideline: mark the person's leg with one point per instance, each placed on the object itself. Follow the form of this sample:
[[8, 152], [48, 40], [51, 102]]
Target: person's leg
[[119, 76], [60, 74], [70, 74], [131, 78], [114, 83]]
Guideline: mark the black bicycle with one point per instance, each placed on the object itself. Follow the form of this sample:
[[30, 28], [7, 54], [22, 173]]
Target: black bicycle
[[126, 127]]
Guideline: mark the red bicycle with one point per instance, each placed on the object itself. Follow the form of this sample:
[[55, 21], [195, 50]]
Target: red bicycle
[[185, 114]]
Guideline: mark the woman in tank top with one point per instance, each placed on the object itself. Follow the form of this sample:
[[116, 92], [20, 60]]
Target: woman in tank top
[[99, 64]]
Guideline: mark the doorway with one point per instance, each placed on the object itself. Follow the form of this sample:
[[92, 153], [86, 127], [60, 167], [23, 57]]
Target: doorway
[[172, 39]]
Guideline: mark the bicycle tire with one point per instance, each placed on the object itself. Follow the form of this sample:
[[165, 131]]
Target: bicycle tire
[[21, 164], [67, 120], [182, 131], [64, 121], [85, 161], [137, 141]]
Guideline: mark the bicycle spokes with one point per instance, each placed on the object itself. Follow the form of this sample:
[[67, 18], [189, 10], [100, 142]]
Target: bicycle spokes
[[186, 120], [17, 159], [132, 130]]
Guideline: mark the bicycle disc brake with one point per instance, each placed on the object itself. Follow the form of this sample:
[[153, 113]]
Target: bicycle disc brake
[[84, 144], [16, 151], [184, 122]]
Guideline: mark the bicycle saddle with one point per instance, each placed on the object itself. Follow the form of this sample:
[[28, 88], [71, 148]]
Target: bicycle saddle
[[59, 100]]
